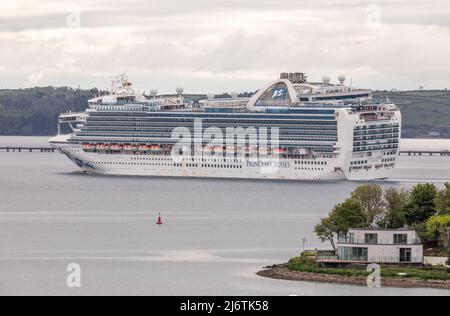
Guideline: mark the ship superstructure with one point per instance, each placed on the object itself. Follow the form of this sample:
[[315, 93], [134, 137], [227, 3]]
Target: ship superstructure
[[292, 129]]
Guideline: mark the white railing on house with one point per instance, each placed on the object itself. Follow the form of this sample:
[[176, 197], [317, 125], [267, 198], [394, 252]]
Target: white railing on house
[[371, 259], [355, 241]]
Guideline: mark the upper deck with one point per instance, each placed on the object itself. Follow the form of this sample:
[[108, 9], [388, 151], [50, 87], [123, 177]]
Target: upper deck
[[292, 90]]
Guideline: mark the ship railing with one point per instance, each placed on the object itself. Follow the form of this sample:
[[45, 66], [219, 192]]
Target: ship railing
[[71, 114]]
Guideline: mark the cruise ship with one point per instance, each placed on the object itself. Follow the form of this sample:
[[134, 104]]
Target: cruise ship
[[291, 129]]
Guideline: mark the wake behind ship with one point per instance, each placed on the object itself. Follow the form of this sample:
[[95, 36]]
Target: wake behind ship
[[292, 129]]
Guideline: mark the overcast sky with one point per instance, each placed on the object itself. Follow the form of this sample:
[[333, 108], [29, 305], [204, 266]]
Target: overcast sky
[[224, 45]]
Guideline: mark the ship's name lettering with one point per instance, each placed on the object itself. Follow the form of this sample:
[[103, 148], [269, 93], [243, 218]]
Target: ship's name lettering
[[268, 164]]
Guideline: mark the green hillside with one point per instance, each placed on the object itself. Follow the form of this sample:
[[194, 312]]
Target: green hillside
[[35, 111], [423, 111]]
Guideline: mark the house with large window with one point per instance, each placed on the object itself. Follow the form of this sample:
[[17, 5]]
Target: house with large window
[[380, 246]]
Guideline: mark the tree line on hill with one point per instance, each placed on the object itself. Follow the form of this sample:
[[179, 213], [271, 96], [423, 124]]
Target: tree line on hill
[[35, 111], [423, 208]]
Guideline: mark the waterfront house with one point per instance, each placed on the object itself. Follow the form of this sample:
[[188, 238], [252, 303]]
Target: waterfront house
[[374, 245]]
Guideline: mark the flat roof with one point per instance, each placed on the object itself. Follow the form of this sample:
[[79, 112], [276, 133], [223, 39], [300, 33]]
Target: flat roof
[[384, 230]]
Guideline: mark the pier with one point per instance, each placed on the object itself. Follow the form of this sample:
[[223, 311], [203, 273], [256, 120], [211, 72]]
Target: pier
[[28, 149], [442, 153]]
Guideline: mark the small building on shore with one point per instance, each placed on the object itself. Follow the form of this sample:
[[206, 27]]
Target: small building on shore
[[374, 245]]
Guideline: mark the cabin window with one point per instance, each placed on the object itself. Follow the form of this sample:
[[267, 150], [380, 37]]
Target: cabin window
[[371, 239], [401, 239]]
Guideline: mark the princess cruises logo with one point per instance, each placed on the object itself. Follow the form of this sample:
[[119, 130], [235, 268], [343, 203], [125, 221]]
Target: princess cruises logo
[[279, 94]]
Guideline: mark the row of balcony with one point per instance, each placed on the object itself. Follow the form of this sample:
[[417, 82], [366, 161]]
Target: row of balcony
[[353, 241]]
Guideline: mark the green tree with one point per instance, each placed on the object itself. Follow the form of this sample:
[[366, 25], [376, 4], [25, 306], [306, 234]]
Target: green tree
[[343, 217], [325, 231], [422, 204], [443, 200], [348, 215], [370, 198], [438, 228], [395, 208]]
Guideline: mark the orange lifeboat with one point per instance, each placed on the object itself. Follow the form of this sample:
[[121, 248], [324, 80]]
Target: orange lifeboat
[[143, 148], [280, 150], [88, 147], [129, 147], [155, 148], [116, 147]]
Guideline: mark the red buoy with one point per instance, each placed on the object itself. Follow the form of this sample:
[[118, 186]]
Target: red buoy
[[159, 222]]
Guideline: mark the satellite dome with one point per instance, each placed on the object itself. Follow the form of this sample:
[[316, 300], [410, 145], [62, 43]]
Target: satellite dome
[[211, 96], [154, 92], [326, 79], [234, 95], [342, 79], [180, 90]]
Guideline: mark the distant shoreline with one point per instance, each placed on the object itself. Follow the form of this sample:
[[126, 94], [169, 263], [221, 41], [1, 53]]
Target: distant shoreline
[[281, 272]]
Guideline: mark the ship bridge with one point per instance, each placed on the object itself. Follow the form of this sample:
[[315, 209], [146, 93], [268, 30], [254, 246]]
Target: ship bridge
[[71, 119]]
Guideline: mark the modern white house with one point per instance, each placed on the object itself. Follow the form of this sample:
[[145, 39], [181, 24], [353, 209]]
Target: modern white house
[[380, 246]]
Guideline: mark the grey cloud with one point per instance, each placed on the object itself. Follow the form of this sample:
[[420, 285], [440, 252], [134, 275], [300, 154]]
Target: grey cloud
[[205, 45]]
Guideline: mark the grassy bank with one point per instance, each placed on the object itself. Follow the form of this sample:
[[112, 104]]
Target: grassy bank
[[307, 264]]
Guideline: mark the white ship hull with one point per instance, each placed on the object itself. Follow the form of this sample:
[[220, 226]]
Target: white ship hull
[[141, 164]]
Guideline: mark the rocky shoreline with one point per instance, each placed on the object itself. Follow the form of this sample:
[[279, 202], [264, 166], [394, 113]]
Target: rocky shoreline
[[281, 272]]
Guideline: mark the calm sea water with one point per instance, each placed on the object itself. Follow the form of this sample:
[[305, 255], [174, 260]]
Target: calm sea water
[[217, 233]]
